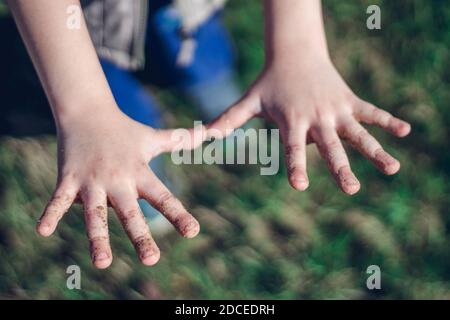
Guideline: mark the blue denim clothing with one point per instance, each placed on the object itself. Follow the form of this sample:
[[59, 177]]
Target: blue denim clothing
[[207, 80]]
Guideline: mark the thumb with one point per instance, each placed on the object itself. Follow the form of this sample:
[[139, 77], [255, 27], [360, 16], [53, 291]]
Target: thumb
[[171, 140], [234, 117]]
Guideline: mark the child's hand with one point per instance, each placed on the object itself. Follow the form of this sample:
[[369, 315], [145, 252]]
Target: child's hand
[[103, 155], [310, 102], [107, 160]]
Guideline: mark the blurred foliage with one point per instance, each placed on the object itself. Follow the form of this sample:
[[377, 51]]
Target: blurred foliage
[[259, 238]]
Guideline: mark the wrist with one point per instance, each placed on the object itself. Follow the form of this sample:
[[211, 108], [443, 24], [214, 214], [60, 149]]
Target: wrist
[[290, 44], [77, 113], [298, 55], [294, 30]]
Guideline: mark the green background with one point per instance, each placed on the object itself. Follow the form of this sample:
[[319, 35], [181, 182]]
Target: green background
[[260, 238]]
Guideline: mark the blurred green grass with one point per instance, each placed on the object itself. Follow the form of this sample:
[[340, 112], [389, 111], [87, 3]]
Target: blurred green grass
[[259, 238]]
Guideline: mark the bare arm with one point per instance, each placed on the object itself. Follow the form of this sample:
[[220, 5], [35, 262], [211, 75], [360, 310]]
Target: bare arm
[[293, 26], [302, 92], [65, 58]]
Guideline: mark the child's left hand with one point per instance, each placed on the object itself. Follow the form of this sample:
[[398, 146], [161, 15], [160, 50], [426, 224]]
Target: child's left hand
[[310, 102]]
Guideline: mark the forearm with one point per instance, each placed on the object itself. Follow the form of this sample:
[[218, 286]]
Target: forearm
[[65, 59], [294, 29]]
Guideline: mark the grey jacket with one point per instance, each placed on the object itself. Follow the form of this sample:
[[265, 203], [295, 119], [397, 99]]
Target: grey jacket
[[117, 29]]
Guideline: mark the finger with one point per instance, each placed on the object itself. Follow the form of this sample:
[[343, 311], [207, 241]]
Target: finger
[[331, 149], [234, 117], [59, 204], [370, 114], [294, 137], [365, 143], [171, 140], [134, 223], [157, 194], [96, 217]]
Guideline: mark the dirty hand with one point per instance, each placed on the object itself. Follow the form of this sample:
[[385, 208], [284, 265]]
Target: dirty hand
[[106, 161], [309, 101]]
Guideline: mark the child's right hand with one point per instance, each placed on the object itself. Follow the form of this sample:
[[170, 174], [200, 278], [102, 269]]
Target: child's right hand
[[103, 155], [106, 159]]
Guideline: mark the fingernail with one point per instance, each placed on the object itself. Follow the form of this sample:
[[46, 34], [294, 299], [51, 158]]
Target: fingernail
[[351, 186], [101, 256], [150, 257], [191, 229], [148, 253], [404, 130], [300, 178], [44, 228], [350, 181], [387, 163], [301, 183]]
